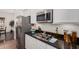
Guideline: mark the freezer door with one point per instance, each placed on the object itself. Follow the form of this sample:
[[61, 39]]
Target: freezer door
[[26, 24]]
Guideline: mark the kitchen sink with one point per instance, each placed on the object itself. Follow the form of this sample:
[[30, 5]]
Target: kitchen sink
[[45, 37]]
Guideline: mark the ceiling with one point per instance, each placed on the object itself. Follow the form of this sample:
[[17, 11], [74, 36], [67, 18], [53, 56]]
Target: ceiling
[[13, 10]]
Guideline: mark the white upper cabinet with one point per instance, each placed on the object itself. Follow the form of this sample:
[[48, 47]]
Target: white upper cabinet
[[65, 15], [59, 15]]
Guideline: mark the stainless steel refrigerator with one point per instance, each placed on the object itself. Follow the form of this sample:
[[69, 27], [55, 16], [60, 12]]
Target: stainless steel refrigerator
[[23, 26]]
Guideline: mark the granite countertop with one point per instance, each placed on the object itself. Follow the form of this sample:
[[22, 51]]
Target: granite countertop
[[59, 44]]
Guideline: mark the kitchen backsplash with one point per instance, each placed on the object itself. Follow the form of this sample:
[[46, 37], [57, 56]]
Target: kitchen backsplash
[[61, 27]]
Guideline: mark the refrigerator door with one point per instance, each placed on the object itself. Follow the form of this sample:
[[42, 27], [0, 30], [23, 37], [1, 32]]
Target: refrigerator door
[[25, 26], [19, 37]]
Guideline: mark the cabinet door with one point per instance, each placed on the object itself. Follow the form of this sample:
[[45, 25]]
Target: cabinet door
[[27, 41], [30, 42], [50, 47], [40, 45], [33, 43]]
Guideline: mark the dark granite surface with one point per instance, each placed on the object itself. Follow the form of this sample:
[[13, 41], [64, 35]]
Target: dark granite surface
[[59, 44]]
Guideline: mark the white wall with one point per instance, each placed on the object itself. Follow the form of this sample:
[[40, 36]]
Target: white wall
[[66, 15], [8, 18], [32, 13], [59, 15], [11, 14], [61, 28]]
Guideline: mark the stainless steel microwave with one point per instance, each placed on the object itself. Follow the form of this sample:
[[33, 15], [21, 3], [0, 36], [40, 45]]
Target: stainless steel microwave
[[45, 16]]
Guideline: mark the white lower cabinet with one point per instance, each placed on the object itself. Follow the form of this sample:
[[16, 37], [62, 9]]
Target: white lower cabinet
[[40, 45], [30, 42], [50, 47], [33, 43], [27, 41]]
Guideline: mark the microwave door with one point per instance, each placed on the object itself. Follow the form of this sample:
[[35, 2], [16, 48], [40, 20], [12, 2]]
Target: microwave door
[[41, 18]]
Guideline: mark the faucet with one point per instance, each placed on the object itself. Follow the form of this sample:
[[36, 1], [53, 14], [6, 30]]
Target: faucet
[[57, 30]]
